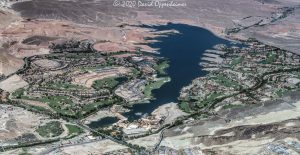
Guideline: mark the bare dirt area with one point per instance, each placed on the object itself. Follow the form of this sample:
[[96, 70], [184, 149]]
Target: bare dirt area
[[13, 83], [149, 141], [239, 128], [132, 91], [284, 33], [115, 38], [28, 38], [16, 121], [169, 111], [108, 47], [215, 15], [36, 103], [88, 78], [99, 147], [48, 64], [8, 63], [7, 16]]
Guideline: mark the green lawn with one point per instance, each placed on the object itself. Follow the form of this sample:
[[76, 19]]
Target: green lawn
[[38, 109], [64, 105], [185, 107], [61, 104], [271, 57], [161, 67], [155, 85], [25, 152], [97, 66], [18, 94], [237, 61], [297, 74], [51, 129], [209, 99], [188, 106], [230, 106], [281, 92], [109, 83], [59, 86], [74, 130], [135, 72], [222, 80], [96, 105]]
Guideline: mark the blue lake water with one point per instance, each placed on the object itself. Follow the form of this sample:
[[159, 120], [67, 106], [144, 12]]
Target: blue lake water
[[103, 122], [184, 52]]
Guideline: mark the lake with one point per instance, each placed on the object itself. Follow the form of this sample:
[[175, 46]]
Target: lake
[[184, 52]]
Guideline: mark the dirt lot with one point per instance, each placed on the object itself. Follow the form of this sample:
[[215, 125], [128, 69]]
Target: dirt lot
[[13, 83], [37, 103], [99, 147], [170, 111], [88, 78], [48, 64], [17, 121], [8, 63]]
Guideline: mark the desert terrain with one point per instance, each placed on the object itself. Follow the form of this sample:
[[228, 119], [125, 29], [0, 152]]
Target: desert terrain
[[214, 15], [53, 93]]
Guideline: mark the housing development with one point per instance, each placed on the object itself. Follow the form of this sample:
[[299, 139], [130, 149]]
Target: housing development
[[241, 76], [161, 77]]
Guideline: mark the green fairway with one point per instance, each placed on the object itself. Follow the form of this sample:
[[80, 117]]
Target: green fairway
[[161, 68], [230, 106], [96, 105], [51, 129], [237, 61], [271, 57], [185, 107], [61, 104], [209, 99], [74, 130], [109, 83], [61, 86], [222, 80], [155, 85]]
